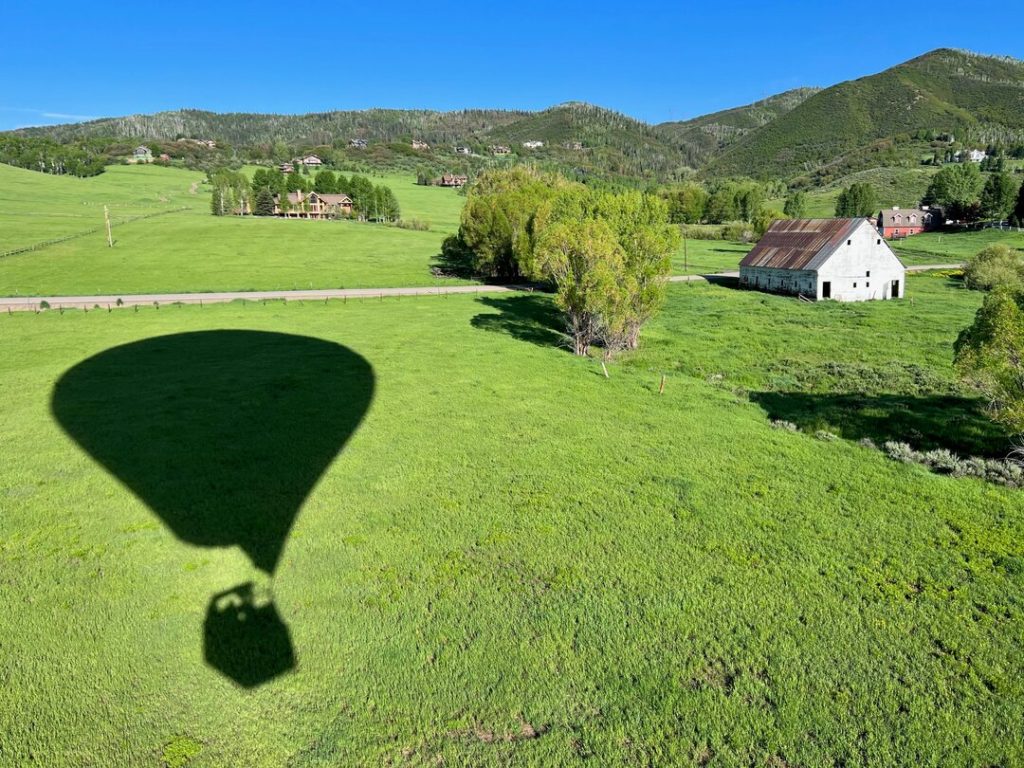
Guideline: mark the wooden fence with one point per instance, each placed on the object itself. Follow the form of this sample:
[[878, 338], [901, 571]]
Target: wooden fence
[[85, 232]]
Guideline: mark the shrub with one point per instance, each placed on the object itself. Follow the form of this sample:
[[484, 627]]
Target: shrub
[[995, 266], [788, 426], [417, 224], [900, 452]]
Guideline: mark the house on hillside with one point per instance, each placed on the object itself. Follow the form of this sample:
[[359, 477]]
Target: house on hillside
[[972, 155], [895, 223], [417, 144], [463, 151], [312, 205], [574, 145], [286, 168], [500, 149], [142, 154], [451, 180], [357, 143], [841, 259], [533, 144], [311, 161]]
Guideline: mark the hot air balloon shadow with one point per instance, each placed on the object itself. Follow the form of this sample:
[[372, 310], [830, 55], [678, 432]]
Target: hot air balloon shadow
[[222, 434]]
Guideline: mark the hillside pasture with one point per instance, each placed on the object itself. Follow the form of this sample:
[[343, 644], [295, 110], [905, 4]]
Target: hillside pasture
[[35, 207], [667, 581], [192, 250]]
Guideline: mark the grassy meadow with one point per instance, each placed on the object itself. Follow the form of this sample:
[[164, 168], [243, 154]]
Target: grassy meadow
[[582, 572], [194, 251]]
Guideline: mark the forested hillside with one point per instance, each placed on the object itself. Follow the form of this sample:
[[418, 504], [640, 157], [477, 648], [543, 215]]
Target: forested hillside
[[878, 120], [911, 114], [707, 135]]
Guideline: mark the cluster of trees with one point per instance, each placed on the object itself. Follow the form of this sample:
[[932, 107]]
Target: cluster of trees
[[232, 191], [48, 156], [990, 352], [608, 254], [718, 203], [966, 194], [856, 201]]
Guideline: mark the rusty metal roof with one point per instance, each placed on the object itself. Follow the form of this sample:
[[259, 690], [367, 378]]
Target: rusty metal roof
[[800, 243]]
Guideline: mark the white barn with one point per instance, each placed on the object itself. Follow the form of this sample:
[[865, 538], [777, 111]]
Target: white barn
[[841, 259]]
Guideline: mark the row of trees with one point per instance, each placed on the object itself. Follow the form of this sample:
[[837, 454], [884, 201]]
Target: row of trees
[[608, 254], [720, 202], [48, 156]]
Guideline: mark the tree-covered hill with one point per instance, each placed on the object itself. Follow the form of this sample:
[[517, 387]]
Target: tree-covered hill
[[709, 134], [944, 94], [918, 111], [314, 128]]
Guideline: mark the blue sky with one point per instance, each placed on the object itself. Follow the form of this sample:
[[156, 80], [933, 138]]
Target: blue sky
[[67, 61]]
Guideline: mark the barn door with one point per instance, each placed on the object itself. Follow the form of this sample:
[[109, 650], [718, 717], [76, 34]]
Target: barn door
[[826, 290], [895, 293]]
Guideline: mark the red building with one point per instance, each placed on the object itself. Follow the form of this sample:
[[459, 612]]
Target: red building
[[896, 223]]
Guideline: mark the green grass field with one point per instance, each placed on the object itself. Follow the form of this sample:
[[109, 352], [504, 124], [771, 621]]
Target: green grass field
[[582, 571], [930, 247], [194, 251], [35, 207]]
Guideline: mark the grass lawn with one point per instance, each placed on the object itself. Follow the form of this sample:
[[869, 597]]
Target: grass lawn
[[194, 251], [705, 256], [582, 571], [930, 247]]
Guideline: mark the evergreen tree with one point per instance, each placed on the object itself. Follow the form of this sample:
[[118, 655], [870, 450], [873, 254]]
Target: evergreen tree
[[263, 204], [856, 201], [796, 205], [1018, 210]]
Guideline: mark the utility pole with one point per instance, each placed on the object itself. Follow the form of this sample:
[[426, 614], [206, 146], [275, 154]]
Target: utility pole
[[686, 260], [106, 218]]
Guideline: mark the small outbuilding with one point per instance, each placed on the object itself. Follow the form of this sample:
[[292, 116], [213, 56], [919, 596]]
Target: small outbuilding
[[841, 259]]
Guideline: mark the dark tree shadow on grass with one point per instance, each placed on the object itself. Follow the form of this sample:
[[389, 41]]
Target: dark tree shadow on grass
[[456, 259], [958, 424], [223, 435], [723, 281], [533, 318]]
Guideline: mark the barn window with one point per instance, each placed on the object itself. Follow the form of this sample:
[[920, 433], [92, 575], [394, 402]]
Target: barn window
[[854, 285], [849, 242], [878, 241], [867, 285], [868, 273]]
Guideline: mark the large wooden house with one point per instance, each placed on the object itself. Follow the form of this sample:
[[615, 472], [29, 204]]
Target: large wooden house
[[840, 259], [312, 205], [453, 180]]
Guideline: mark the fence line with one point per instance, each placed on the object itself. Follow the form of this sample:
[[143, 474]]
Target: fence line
[[84, 233]]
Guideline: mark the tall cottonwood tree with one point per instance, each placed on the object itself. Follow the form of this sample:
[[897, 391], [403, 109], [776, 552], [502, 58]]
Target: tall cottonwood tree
[[990, 356], [587, 265]]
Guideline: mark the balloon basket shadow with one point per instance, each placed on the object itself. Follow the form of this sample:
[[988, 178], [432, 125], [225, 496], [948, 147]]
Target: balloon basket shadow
[[245, 639]]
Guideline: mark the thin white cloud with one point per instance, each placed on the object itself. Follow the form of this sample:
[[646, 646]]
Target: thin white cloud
[[47, 114], [63, 116]]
